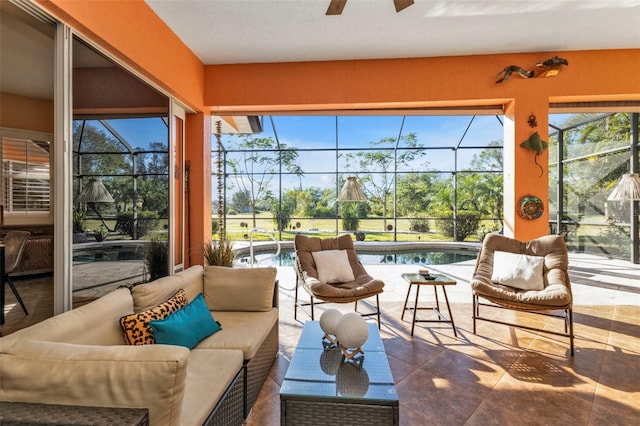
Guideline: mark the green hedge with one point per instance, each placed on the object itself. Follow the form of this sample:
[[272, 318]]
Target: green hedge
[[147, 221]]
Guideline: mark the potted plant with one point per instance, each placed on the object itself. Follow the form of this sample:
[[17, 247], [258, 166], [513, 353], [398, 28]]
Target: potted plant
[[219, 253], [101, 233]]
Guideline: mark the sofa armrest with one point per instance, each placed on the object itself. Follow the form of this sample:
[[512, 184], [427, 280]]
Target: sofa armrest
[[151, 376]]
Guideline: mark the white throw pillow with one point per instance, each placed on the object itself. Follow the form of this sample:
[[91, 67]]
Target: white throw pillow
[[333, 266], [518, 270]]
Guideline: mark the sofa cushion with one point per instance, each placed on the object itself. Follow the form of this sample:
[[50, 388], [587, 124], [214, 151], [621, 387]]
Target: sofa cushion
[[136, 327], [239, 289], [518, 270], [152, 376], [333, 266], [95, 323], [185, 327], [193, 278], [209, 374], [245, 331]]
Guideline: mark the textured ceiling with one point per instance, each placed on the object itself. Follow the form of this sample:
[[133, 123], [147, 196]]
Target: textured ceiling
[[246, 31]]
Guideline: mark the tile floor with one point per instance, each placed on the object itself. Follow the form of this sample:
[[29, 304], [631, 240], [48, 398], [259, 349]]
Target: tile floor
[[499, 376], [502, 375]]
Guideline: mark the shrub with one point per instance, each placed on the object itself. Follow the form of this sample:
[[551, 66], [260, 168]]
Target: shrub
[[351, 214], [323, 212], [147, 221], [615, 241], [419, 224], [350, 223], [467, 223]]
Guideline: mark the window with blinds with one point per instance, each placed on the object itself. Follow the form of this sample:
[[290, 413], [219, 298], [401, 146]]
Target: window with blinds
[[26, 186]]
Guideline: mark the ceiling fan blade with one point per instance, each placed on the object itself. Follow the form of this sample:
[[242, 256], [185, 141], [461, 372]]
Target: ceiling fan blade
[[401, 4], [336, 6]]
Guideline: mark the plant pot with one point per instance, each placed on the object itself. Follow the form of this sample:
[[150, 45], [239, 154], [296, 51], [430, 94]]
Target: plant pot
[[100, 237]]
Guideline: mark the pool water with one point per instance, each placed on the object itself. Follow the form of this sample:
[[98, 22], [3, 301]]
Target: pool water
[[439, 257], [111, 255]]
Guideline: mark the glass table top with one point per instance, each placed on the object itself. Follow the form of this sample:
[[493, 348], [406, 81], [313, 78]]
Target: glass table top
[[325, 374], [311, 337], [433, 279]]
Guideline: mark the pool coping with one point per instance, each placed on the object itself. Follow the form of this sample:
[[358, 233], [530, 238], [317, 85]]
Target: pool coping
[[242, 248]]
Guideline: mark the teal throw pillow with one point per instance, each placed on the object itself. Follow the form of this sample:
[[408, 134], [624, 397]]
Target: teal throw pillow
[[187, 326]]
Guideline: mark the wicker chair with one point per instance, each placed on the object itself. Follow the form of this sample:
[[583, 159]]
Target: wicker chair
[[15, 242], [554, 293], [361, 287]]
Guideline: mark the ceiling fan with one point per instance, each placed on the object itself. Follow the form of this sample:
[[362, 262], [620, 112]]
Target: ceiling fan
[[336, 6]]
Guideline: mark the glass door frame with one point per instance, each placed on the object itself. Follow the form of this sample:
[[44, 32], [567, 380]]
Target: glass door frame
[[177, 213]]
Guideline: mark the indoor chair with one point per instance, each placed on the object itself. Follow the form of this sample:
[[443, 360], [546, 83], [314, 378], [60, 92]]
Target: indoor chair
[[330, 271], [527, 276], [14, 242]]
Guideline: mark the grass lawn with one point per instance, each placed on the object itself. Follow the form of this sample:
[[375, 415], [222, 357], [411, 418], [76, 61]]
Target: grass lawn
[[239, 226]]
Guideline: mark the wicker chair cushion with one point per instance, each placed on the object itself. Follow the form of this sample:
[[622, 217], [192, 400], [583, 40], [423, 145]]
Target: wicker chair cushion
[[333, 266], [360, 287], [556, 292], [518, 270]]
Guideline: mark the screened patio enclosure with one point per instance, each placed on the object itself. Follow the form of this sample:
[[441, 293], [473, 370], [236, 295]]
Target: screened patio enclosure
[[588, 154], [129, 157], [426, 178]]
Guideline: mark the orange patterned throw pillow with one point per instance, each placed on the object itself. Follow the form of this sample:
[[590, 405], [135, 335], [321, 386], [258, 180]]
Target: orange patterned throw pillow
[[136, 328]]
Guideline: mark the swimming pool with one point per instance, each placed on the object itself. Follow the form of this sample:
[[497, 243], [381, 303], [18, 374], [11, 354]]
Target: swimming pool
[[110, 251], [374, 254], [425, 253]]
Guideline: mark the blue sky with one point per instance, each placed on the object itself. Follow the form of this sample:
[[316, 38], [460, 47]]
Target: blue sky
[[358, 131], [140, 132], [313, 132], [317, 132], [353, 131]]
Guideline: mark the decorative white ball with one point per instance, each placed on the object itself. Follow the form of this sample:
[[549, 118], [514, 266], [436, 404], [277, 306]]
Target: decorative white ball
[[352, 330], [329, 321]]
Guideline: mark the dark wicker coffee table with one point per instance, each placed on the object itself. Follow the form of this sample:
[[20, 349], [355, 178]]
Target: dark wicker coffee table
[[321, 387]]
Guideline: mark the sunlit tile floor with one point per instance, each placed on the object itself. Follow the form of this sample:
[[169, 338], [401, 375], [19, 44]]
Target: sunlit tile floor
[[499, 376]]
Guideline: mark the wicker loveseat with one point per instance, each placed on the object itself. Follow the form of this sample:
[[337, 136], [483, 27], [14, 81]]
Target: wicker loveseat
[[80, 357]]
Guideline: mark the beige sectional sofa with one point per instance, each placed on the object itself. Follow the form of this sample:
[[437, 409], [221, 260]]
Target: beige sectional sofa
[[80, 357]]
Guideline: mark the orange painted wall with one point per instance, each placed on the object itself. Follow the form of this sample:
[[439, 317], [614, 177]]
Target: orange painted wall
[[134, 34], [457, 80], [20, 112], [199, 186]]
